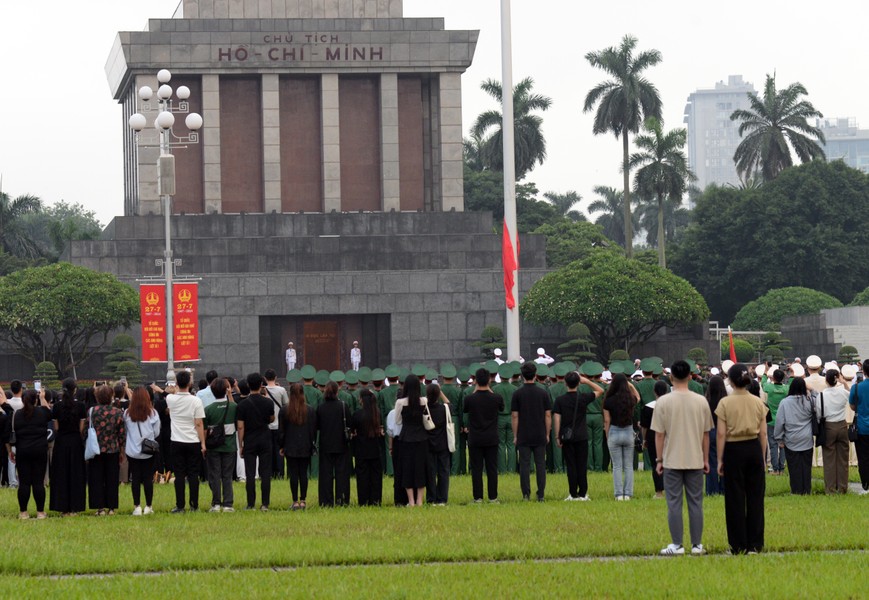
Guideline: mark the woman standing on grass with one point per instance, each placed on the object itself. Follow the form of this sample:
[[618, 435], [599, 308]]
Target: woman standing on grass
[[367, 441], [104, 468], [831, 406], [714, 393], [741, 432], [31, 451], [333, 424], [68, 475], [141, 422], [618, 422], [414, 440], [793, 433], [298, 435]]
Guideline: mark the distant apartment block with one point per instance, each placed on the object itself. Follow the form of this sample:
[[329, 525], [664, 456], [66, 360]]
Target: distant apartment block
[[846, 142]]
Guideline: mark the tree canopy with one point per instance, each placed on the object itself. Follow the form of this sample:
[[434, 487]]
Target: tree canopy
[[802, 229], [63, 313], [622, 301], [861, 299], [767, 312], [568, 241]]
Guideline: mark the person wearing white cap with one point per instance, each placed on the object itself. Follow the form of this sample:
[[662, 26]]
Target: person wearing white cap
[[290, 356], [498, 352], [355, 356], [814, 380], [831, 408], [543, 358]]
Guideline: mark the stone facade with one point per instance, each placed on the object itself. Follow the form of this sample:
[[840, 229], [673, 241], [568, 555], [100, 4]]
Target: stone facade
[[826, 332]]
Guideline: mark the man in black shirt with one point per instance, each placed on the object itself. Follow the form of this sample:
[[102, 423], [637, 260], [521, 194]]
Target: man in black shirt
[[531, 413], [255, 441], [480, 416], [571, 432]]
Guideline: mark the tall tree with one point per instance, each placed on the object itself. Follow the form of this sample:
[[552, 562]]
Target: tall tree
[[565, 204], [610, 204], [529, 141], [13, 237], [677, 218], [624, 102], [779, 118], [662, 171]]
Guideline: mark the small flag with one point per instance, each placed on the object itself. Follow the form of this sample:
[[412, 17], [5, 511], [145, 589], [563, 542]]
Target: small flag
[[732, 349]]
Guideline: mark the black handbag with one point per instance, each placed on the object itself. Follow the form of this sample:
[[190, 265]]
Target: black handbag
[[567, 433], [819, 425], [149, 447], [215, 437]]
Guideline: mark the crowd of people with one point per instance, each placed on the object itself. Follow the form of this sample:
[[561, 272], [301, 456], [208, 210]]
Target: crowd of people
[[719, 429]]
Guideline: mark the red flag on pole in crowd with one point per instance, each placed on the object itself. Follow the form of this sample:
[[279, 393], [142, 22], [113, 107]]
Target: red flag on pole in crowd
[[511, 265], [732, 349]]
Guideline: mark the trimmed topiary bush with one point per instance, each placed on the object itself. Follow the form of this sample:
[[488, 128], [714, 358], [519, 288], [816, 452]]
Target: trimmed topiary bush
[[698, 355], [745, 352], [766, 313]]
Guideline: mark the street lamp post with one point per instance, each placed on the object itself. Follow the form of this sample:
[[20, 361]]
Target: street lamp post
[[163, 123]]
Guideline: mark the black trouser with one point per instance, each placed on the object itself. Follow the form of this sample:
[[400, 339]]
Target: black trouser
[[297, 470], [862, 447], [438, 485], [187, 462], [104, 474], [480, 455], [334, 483], [799, 470], [399, 493], [539, 453], [369, 481], [260, 448], [31, 476], [575, 455], [221, 468], [658, 480], [745, 473], [277, 459], [142, 475]]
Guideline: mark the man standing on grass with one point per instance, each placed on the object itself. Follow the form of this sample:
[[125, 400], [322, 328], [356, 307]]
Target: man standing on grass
[[531, 415], [481, 424], [681, 422], [188, 441]]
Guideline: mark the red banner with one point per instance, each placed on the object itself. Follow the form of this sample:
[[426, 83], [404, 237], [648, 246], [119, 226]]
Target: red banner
[[185, 319], [152, 312], [511, 265]]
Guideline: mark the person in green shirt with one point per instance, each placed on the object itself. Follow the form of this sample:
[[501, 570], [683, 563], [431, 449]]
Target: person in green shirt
[[646, 388], [313, 398], [776, 391], [557, 388], [386, 401], [506, 448], [594, 415], [221, 461], [453, 393]]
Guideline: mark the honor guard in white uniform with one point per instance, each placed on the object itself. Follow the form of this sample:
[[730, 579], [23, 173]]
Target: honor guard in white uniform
[[543, 358], [355, 356], [291, 357]]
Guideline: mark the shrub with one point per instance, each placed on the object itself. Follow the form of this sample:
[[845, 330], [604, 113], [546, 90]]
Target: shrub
[[766, 313], [699, 356]]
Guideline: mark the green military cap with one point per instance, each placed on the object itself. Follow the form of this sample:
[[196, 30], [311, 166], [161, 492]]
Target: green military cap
[[337, 376], [491, 366], [694, 368], [294, 376], [648, 365], [431, 375], [561, 369], [419, 370], [448, 371], [402, 375], [308, 372], [571, 366], [378, 375], [586, 368], [464, 374], [364, 374], [392, 371], [658, 370], [595, 369], [544, 371], [505, 371], [321, 377], [617, 367], [351, 378]]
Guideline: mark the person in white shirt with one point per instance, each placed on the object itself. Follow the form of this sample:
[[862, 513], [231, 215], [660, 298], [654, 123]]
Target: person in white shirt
[[16, 403], [543, 358], [498, 359], [205, 394], [280, 399], [290, 356], [355, 356], [830, 405], [188, 440]]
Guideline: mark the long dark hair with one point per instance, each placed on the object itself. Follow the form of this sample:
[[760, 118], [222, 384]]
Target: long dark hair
[[369, 404], [625, 402], [715, 392], [29, 398], [411, 391], [66, 406], [331, 391], [140, 406], [297, 409]]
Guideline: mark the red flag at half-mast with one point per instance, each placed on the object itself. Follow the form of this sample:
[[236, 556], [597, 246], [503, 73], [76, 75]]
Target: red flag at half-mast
[[732, 349], [511, 265]]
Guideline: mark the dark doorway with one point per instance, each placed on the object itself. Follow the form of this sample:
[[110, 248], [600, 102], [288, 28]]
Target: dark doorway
[[320, 346]]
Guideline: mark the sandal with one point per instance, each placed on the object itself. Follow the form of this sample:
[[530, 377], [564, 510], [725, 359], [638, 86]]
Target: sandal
[[111, 513], [100, 512], [295, 506], [41, 515], [302, 505]]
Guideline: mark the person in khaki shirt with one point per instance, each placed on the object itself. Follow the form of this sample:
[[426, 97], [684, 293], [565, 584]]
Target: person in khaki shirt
[[742, 441], [681, 422]]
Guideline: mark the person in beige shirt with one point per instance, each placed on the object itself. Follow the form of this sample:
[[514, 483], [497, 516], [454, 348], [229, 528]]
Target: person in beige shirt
[[742, 441], [681, 422]]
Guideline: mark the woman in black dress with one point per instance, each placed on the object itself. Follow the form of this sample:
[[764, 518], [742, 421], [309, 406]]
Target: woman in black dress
[[414, 440], [68, 477], [367, 431], [298, 435], [31, 451]]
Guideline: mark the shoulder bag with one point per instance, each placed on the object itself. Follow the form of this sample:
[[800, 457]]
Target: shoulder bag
[[92, 444], [819, 425], [852, 428], [427, 421], [567, 433], [451, 431], [215, 436], [347, 434]]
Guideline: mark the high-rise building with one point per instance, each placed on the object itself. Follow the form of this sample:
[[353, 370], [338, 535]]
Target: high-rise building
[[846, 142], [712, 136]]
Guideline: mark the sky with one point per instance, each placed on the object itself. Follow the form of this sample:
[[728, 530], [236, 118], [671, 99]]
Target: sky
[[61, 136]]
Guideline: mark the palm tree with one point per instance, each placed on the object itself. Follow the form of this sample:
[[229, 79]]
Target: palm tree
[[625, 101], [565, 204], [529, 141], [611, 206], [676, 218], [781, 117], [13, 237], [662, 171], [472, 152]]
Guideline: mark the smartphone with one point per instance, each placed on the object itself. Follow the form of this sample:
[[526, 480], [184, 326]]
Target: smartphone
[[37, 385], [99, 383], [124, 381]]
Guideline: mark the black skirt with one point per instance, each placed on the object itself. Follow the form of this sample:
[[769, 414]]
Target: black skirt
[[67, 474], [414, 461]]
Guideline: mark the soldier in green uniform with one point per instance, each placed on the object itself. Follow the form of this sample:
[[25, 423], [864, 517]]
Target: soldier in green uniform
[[313, 398], [351, 378], [506, 448], [693, 384], [594, 415], [454, 394], [646, 389], [343, 395], [386, 400]]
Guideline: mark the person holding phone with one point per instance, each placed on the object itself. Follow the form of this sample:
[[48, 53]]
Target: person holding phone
[[31, 451]]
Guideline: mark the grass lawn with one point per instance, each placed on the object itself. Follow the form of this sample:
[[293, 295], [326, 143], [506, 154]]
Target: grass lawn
[[381, 548]]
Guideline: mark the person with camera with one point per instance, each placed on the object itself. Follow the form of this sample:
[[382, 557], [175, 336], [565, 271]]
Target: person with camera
[[143, 429], [571, 432], [30, 454], [255, 440]]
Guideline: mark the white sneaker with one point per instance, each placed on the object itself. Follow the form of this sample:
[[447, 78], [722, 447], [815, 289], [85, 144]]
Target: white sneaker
[[672, 550], [215, 508], [228, 509], [619, 498], [698, 550], [137, 512], [583, 499], [862, 492], [570, 499], [148, 511]]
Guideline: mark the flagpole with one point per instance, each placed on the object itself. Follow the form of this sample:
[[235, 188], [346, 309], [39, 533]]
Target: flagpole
[[507, 133]]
